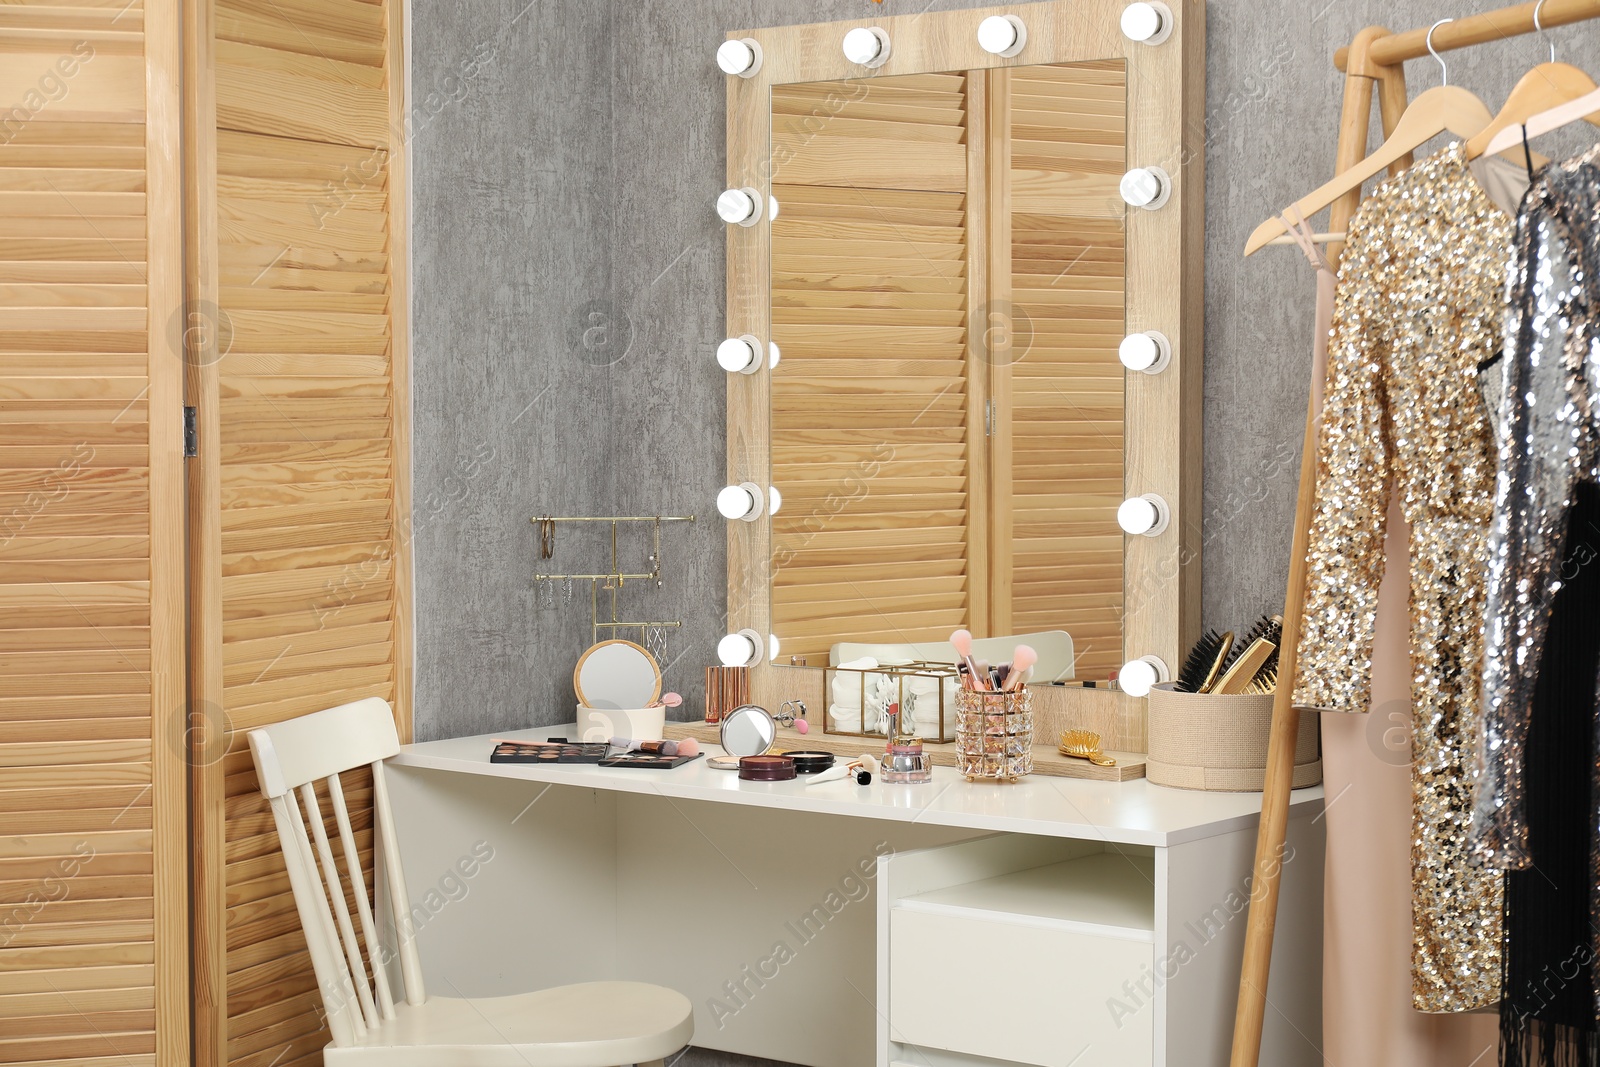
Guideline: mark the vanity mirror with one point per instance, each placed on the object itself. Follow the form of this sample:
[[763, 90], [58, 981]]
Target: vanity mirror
[[974, 239]]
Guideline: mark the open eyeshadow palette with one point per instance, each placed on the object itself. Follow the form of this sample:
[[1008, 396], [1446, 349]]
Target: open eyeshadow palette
[[647, 760], [548, 752]]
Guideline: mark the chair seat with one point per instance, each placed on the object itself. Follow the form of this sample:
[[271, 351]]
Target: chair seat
[[594, 1024]]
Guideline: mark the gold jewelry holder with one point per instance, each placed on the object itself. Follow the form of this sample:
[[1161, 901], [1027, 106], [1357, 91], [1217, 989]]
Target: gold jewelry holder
[[615, 578]]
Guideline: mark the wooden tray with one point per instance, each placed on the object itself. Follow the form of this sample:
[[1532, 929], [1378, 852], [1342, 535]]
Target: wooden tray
[[1046, 760]]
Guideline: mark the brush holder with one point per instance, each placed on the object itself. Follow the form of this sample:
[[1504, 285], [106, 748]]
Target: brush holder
[[994, 734], [1219, 743]]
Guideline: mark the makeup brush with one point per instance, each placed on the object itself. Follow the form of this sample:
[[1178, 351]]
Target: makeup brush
[[985, 679], [1022, 661], [962, 640], [1204, 664]]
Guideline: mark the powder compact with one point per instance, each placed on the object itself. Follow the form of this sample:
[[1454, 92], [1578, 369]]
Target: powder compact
[[811, 762], [766, 768]]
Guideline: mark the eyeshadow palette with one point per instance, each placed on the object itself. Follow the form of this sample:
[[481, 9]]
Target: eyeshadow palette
[[547, 752], [649, 760]]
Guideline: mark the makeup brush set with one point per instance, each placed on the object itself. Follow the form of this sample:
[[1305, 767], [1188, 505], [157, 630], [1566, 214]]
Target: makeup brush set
[[1219, 664], [978, 676]]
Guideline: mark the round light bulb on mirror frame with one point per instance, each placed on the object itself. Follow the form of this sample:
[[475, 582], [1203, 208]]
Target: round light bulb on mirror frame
[[1138, 676], [1150, 22], [741, 207], [773, 355], [742, 649], [741, 57], [772, 647], [867, 46], [742, 501], [774, 500], [1146, 187], [1148, 351], [739, 355], [1002, 35], [1144, 516]]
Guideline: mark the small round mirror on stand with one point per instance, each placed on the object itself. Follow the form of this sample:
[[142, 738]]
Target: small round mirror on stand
[[748, 730], [615, 676]]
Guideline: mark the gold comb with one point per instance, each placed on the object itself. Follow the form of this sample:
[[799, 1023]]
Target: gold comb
[[1085, 744]]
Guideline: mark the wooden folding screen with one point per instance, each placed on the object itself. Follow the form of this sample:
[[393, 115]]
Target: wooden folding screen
[[1059, 265], [872, 412], [93, 835], [297, 264]]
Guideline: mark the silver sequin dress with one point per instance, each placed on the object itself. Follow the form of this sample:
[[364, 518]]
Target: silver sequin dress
[[1552, 434], [1421, 302]]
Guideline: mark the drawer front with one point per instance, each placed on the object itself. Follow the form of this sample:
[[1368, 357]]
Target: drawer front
[[1025, 993]]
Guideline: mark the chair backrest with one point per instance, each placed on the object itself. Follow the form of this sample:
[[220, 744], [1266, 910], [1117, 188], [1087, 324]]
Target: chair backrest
[[292, 757]]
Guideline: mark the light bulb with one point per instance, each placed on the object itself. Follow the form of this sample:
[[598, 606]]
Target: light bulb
[[1147, 515], [772, 348], [1149, 352], [739, 206], [774, 500], [742, 57], [737, 355], [742, 501], [1150, 23], [772, 647], [1146, 187], [772, 208], [1003, 35], [737, 650], [1139, 676], [867, 47]]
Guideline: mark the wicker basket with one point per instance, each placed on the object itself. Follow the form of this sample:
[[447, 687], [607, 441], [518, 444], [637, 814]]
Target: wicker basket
[[1219, 743]]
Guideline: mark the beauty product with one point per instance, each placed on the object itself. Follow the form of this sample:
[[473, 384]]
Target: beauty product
[[656, 761], [723, 763], [1237, 678], [907, 764], [546, 752], [832, 774], [962, 640], [686, 747], [811, 762], [766, 768], [1022, 661]]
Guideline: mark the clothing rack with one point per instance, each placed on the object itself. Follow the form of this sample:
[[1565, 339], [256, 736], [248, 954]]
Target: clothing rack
[[1373, 66]]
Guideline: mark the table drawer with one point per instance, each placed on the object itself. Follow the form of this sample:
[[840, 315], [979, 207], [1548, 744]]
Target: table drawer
[[1044, 994]]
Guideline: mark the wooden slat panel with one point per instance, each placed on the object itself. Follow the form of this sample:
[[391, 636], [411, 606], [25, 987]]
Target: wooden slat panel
[[1064, 429], [869, 408], [303, 478]]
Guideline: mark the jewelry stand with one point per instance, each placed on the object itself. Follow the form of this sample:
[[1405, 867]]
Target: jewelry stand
[[614, 579]]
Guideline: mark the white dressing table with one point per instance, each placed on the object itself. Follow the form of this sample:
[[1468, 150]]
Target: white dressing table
[[1053, 921]]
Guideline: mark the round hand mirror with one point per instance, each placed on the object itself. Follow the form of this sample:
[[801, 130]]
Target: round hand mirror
[[616, 676], [748, 730]]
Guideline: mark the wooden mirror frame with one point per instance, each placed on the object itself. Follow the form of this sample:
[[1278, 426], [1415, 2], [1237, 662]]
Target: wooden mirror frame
[[1164, 287]]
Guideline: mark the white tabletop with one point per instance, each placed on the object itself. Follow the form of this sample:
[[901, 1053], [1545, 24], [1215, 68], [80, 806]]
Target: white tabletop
[[1134, 812]]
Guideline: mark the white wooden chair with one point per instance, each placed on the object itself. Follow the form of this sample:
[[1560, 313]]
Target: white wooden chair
[[595, 1024]]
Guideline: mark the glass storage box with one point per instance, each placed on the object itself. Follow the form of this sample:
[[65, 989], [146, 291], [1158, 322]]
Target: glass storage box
[[859, 699], [994, 734]]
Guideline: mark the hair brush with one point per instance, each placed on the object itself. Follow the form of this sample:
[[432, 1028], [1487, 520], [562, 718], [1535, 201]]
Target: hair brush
[[1205, 662], [1266, 628]]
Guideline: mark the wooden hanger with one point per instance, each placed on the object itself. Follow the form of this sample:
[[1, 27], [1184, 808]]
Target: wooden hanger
[[1586, 106], [1443, 109], [1544, 88]]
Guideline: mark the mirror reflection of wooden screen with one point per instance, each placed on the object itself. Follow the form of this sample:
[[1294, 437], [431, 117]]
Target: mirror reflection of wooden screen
[[910, 222]]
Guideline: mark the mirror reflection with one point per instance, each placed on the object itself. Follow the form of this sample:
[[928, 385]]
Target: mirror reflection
[[948, 269]]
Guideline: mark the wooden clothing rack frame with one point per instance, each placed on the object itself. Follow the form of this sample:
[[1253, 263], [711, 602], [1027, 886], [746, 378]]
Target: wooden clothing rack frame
[[1373, 66]]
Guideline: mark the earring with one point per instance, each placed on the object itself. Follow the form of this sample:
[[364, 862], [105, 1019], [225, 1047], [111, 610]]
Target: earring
[[566, 593], [547, 538], [547, 595]]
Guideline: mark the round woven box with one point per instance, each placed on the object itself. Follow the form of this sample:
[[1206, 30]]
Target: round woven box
[[1219, 743]]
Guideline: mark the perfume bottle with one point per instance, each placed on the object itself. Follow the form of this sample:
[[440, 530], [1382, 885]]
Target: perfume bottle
[[903, 758]]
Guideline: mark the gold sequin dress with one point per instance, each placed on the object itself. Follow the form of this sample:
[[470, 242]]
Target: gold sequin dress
[[1421, 302]]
